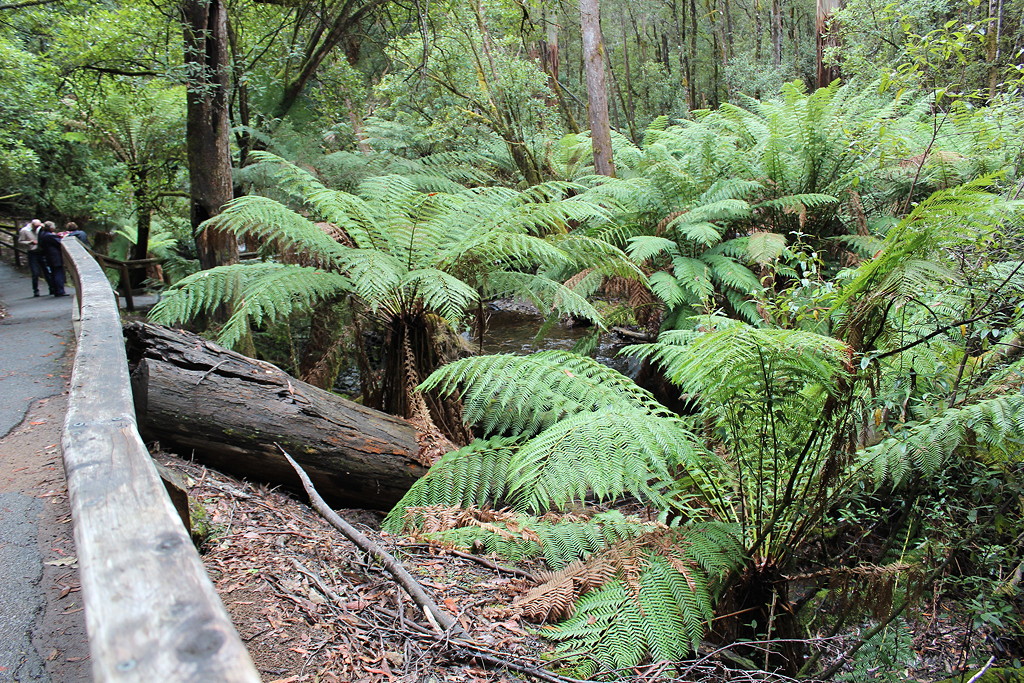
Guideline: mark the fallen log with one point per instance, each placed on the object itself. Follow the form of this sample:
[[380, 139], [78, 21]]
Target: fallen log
[[229, 411]]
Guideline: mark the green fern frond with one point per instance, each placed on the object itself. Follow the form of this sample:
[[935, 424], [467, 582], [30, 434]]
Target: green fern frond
[[527, 394], [731, 188], [644, 247], [927, 446], [666, 608], [733, 274], [449, 296], [669, 288], [547, 295], [200, 293], [474, 475], [607, 454], [765, 247], [698, 361], [693, 275], [797, 202], [269, 220], [701, 232], [260, 293]]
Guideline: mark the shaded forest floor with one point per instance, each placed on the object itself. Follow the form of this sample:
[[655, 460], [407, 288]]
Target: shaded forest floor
[[311, 609]]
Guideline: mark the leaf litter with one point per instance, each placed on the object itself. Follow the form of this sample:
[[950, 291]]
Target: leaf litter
[[309, 606]]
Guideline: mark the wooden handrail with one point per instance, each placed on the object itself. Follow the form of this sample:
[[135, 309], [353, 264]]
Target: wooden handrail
[[8, 232], [123, 267], [150, 609]]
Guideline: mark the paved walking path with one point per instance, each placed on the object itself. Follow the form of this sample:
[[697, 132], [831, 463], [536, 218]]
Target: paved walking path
[[42, 632]]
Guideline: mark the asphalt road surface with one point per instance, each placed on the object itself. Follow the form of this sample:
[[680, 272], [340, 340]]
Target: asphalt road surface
[[42, 631]]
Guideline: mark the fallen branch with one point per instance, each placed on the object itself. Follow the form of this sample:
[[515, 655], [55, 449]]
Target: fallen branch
[[631, 334], [483, 561], [438, 618], [976, 677], [448, 630]]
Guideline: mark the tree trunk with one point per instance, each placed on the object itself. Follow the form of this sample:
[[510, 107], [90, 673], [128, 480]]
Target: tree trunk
[[240, 102], [551, 58], [208, 126], [826, 37], [691, 60], [143, 223], [993, 35], [229, 411], [597, 90], [776, 14]]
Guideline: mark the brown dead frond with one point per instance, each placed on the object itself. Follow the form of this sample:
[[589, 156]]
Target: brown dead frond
[[337, 234], [439, 518], [646, 308], [663, 223], [555, 599], [941, 157], [431, 440], [578, 278], [857, 211]]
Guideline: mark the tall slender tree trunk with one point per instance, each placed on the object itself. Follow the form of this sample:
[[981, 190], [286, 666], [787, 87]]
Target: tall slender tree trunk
[[551, 59], [826, 37], [628, 77], [597, 90], [993, 35], [239, 100], [758, 34], [777, 33], [691, 60], [208, 127]]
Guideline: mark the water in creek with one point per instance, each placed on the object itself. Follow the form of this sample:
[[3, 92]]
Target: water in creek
[[516, 332]]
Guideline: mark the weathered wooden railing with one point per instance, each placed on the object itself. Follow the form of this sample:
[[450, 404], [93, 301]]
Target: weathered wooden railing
[[150, 609], [124, 268], [9, 239]]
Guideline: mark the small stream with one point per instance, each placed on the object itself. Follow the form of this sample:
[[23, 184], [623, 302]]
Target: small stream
[[510, 331]]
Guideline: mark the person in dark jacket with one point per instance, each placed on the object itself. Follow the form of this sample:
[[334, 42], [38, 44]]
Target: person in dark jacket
[[49, 244]]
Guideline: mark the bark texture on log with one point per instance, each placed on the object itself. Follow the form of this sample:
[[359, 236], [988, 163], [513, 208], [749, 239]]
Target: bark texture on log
[[229, 411]]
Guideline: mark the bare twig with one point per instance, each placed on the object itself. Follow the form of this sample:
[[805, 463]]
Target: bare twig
[[210, 371], [438, 618], [976, 677], [479, 560]]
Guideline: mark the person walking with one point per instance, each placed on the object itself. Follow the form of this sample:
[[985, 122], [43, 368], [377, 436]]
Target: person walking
[[28, 239], [49, 244]]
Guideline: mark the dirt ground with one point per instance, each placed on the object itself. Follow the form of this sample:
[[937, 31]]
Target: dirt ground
[[311, 608]]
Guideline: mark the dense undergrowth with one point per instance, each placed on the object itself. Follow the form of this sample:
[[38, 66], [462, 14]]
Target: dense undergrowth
[[823, 435]]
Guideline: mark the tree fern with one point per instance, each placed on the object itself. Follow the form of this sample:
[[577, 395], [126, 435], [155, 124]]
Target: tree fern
[[264, 292], [536, 390]]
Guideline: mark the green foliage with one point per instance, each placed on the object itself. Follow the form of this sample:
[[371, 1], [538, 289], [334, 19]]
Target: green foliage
[[618, 627], [926, 447], [410, 250], [583, 429]]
